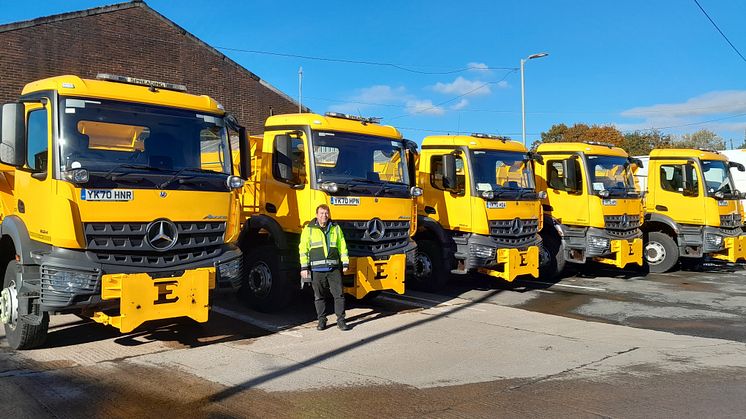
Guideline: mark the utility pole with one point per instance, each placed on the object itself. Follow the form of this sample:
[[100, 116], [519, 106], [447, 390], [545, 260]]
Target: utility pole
[[300, 89]]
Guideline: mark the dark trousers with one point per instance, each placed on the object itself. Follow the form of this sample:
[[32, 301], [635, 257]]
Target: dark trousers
[[332, 281]]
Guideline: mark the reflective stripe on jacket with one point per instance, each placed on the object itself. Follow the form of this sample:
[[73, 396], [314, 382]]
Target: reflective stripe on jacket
[[322, 247]]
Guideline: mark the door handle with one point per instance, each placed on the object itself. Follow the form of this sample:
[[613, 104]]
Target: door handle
[[661, 208], [429, 210]]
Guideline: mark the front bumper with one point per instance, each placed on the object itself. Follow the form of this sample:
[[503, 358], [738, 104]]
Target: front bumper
[[597, 244], [735, 249], [623, 253], [70, 280]]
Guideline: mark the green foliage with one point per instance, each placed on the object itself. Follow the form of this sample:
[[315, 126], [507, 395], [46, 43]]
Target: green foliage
[[700, 139], [640, 143]]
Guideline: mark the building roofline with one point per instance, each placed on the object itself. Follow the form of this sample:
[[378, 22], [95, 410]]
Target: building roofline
[[140, 3]]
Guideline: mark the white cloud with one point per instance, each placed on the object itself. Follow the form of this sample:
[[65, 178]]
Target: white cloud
[[424, 107], [462, 86], [726, 101], [378, 96], [480, 67], [692, 114], [503, 84], [460, 105]]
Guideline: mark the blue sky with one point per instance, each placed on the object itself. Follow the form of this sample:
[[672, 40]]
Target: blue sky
[[635, 64]]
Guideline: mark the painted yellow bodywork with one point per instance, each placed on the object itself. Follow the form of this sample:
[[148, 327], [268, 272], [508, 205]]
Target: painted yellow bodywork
[[585, 209], [692, 210], [467, 213], [295, 208], [515, 263], [54, 212]]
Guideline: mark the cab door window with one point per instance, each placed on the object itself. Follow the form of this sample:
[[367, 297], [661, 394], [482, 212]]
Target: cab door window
[[672, 178], [296, 160], [37, 140], [436, 173]]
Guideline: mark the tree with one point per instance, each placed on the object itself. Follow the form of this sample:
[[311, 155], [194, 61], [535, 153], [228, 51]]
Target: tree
[[701, 139], [640, 143], [581, 132]]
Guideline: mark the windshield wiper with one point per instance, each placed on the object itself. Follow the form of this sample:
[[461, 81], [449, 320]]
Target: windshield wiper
[[131, 166], [182, 181]]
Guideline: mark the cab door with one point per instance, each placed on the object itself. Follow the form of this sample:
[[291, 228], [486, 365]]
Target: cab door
[[450, 205], [677, 191], [286, 189], [33, 182]]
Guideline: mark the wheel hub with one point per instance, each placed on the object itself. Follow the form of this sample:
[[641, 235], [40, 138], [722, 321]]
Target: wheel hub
[[260, 279], [9, 305], [423, 266], [655, 253]]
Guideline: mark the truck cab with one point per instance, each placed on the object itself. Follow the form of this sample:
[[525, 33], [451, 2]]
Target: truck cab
[[479, 211], [362, 170], [692, 208], [98, 190], [592, 210]]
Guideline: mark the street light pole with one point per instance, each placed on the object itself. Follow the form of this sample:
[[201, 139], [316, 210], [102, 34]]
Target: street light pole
[[523, 92]]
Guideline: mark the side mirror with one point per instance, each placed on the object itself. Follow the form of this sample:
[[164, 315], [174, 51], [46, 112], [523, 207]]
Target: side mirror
[[637, 162], [283, 159], [689, 188], [13, 140], [244, 154], [571, 175], [532, 155], [449, 173], [738, 166], [410, 148]]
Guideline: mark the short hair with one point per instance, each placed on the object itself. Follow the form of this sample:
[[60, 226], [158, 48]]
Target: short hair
[[323, 206]]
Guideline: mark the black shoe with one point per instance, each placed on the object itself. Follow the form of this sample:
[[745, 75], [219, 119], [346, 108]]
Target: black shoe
[[322, 324], [342, 325]]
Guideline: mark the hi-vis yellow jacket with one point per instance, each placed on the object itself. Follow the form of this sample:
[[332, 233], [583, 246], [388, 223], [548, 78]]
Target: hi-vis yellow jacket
[[322, 248]]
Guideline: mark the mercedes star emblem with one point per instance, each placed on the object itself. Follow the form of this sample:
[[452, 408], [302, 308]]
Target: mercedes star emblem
[[375, 229], [516, 226], [162, 234]]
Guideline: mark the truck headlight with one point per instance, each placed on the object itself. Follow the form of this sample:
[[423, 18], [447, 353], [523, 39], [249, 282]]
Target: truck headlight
[[77, 176], [330, 187], [481, 251], [714, 240], [598, 243], [55, 279]]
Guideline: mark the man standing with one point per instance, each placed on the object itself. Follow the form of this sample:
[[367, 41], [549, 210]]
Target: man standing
[[322, 250]]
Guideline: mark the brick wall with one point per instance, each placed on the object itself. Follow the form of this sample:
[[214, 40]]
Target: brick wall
[[133, 41]]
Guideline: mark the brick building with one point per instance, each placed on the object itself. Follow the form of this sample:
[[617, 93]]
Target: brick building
[[132, 39]]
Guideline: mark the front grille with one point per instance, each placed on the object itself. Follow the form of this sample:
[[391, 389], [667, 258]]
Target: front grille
[[59, 286], [622, 226], [127, 244], [730, 221], [514, 233], [360, 243]]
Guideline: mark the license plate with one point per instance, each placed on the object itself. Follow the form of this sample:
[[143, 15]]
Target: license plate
[[345, 200], [107, 195]]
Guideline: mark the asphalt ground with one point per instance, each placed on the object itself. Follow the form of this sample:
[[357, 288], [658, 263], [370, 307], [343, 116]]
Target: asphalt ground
[[596, 343]]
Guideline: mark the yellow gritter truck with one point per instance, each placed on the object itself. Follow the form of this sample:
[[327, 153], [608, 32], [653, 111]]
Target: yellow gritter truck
[[360, 169], [117, 202], [592, 210], [479, 210], [692, 208]]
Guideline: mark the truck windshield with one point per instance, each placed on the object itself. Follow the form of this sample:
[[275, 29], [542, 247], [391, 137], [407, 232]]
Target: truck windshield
[[717, 177], [361, 164], [119, 142], [612, 174], [501, 171]]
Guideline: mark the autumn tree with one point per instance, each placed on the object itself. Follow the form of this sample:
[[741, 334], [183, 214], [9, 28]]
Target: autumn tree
[[640, 143], [701, 139], [581, 132]]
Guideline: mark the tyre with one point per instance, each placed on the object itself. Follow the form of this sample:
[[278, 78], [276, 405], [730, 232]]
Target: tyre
[[661, 252], [18, 332], [551, 257], [265, 287], [430, 270]]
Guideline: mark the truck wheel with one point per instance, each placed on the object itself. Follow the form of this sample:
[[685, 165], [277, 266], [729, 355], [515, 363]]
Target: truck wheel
[[430, 273], [265, 287], [19, 333], [661, 252], [551, 257]]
